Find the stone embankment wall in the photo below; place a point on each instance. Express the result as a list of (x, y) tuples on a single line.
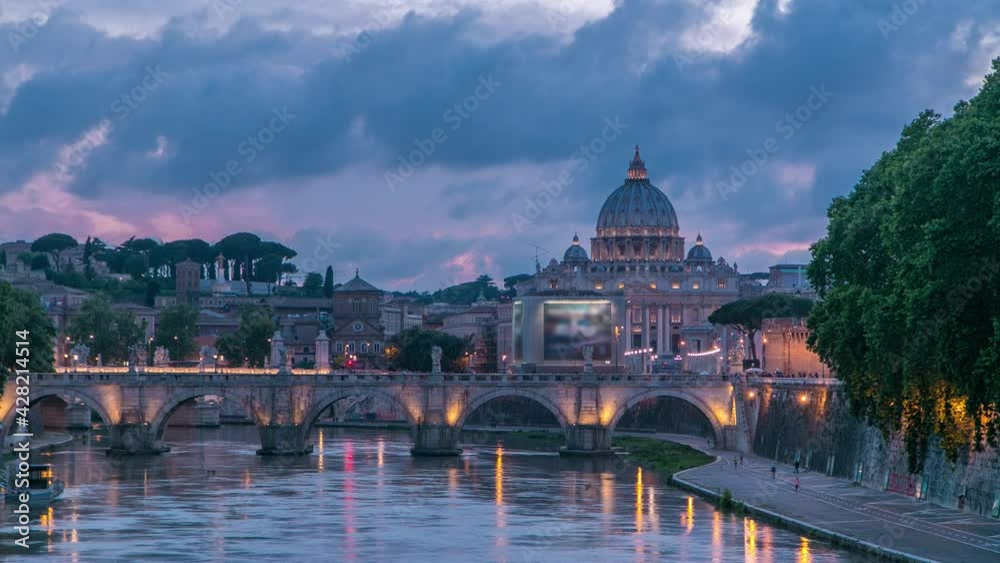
[(813, 423)]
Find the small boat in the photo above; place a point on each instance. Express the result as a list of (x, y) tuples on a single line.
[(41, 486)]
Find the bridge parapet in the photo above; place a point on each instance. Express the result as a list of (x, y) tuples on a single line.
[(272, 377), (137, 405)]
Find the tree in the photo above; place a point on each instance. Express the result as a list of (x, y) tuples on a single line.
[(20, 310), (328, 283), (268, 269), (242, 249), (908, 275), (54, 244), (747, 315), (288, 268), (88, 259), (313, 283), (40, 262), (414, 349), (110, 332), (250, 344), (176, 328), (510, 283)]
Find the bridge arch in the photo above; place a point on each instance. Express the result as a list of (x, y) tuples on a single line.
[(178, 399), (677, 394), (327, 400), (66, 395), (512, 392)]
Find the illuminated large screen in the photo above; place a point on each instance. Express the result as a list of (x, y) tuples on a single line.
[(572, 325)]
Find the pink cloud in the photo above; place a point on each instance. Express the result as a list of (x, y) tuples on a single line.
[(795, 177)]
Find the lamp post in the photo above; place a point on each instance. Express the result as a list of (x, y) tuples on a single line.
[(504, 359)]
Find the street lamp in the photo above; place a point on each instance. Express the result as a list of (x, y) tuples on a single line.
[(504, 358)]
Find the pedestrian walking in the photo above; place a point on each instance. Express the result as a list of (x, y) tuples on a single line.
[(796, 484), (735, 465), (742, 461), (774, 472), (796, 467)]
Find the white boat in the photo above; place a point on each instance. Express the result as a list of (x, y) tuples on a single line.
[(41, 486)]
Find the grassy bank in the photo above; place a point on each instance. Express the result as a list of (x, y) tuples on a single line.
[(662, 457)]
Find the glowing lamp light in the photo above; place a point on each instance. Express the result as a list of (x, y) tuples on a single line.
[(751, 395), (803, 398)]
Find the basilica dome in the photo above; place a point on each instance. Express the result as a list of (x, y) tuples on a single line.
[(637, 207), (699, 252), (637, 222), (575, 253)]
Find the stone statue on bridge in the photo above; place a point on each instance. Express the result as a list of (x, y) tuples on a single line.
[(436, 359), (80, 354), (206, 358), (161, 357), (284, 360)]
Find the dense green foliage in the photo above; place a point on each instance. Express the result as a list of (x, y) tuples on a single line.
[(313, 284), (176, 328), (466, 293), (662, 457), (747, 315), (107, 331), (910, 317), (328, 283), (20, 310), (54, 244), (413, 350), (249, 345)]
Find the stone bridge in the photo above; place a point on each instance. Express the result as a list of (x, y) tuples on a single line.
[(136, 407)]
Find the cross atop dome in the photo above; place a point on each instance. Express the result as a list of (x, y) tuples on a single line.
[(699, 241), (637, 168), (576, 240)]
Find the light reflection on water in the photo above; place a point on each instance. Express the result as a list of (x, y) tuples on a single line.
[(362, 497)]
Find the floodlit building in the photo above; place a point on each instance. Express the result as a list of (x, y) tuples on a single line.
[(639, 282)]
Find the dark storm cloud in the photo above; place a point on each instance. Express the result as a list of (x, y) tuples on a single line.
[(695, 114)]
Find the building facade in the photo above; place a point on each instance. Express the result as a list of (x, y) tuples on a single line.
[(638, 254), (357, 327)]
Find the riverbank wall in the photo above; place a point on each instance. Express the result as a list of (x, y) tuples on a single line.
[(813, 423)]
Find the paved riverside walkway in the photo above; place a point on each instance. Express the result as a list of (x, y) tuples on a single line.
[(910, 529)]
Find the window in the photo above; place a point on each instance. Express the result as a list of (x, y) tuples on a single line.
[(676, 316), (364, 347), (598, 285), (675, 284), (340, 347), (696, 285), (652, 286), (621, 285), (377, 347), (721, 284), (355, 306)]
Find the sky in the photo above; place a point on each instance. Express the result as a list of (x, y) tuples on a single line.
[(426, 142)]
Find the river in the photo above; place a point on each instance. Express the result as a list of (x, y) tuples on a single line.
[(361, 497)]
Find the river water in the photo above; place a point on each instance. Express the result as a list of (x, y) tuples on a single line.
[(361, 497)]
